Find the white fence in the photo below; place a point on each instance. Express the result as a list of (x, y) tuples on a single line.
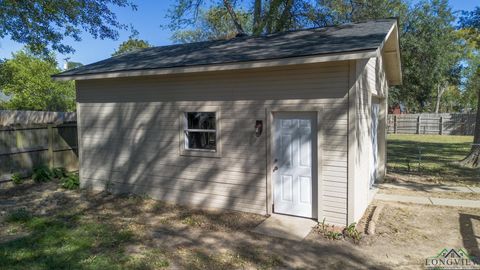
[(430, 123)]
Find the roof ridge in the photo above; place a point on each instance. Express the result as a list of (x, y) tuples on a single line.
[(249, 37)]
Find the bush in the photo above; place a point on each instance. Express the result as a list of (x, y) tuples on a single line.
[(71, 181), (42, 174), (59, 173), (17, 178), (18, 215)]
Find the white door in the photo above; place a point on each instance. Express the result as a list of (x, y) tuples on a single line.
[(374, 155), (293, 159)]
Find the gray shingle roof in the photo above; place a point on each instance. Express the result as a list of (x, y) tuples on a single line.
[(318, 41)]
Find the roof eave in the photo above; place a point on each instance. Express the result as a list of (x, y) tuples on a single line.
[(224, 67), (390, 50)]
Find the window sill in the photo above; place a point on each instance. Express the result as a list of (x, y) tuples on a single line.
[(200, 153)]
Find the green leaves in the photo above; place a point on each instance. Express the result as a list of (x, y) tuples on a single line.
[(43, 24), (132, 44), (42, 174), (26, 80), (431, 53), (70, 181), (212, 24)]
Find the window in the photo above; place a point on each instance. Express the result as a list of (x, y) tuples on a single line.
[(200, 131)]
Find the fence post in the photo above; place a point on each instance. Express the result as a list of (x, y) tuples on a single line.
[(50, 145), (441, 125), (395, 124), (418, 124), (20, 137)]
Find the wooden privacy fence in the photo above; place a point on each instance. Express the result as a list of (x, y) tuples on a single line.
[(22, 148), (16, 118), (430, 123)]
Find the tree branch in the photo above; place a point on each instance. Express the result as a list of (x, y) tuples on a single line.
[(235, 20)]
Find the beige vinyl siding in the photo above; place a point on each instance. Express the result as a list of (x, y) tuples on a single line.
[(371, 81), (382, 86), (363, 139), (130, 134)]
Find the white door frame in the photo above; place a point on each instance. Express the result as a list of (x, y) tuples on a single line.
[(375, 113), (317, 204)]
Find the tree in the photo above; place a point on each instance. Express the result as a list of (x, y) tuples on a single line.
[(452, 100), (213, 24), (43, 24), (430, 48), (470, 22), (26, 80), (430, 55), (72, 65), (132, 44), (360, 10), (268, 16)]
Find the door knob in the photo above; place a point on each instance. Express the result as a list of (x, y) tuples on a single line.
[(275, 168)]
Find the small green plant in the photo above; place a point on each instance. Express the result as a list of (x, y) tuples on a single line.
[(352, 232), (17, 178), (42, 174), (18, 215), (59, 172), (330, 232), (323, 226), (333, 235), (71, 181)]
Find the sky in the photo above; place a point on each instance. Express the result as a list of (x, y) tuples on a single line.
[(148, 20)]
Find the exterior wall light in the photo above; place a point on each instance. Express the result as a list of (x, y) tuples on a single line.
[(258, 128)]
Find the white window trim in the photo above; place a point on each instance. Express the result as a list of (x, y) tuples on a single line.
[(200, 152)]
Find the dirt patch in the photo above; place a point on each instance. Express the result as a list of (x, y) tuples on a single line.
[(160, 235), (406, 234)]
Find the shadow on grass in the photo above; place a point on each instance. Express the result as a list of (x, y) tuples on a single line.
[(65, 242), (430, 159), (103, 231)]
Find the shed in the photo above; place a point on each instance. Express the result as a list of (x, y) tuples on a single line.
[(291, 123)]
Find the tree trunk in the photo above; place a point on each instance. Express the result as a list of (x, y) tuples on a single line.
[(440, 91), (257, 17), (473, 158), (272, 15), (285, 17), (232, 13)]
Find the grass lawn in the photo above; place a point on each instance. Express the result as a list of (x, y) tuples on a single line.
[(70, 241), (430, 156)]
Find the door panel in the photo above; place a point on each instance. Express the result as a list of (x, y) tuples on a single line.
[(292, 154), (287, 188)]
